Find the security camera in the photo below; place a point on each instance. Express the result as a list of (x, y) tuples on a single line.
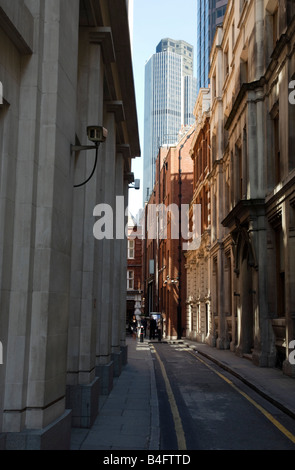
[(97, 134), (130, 177)]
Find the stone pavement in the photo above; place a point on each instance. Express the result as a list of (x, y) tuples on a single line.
[(128, 417)]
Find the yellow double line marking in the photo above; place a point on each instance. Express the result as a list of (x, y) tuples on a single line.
[(177, 419), (176, 416), (276, 423)]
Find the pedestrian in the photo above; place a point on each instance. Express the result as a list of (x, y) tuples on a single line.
[(134, 326), (153, 326), (159, 326), (144, 324)]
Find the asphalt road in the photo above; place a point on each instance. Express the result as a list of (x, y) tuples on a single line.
[(202, 407)]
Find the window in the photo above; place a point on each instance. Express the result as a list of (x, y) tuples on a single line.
[(131, 249), (165, 166), (244, 71), (275, 27), (130, 280), (214, 148), (226, 62), (276, 134), (280, 274), (238, 172), (272, 22), (291, 129), (240, 168), (213, 87), (227, 195)]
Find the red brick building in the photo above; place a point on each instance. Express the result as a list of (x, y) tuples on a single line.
[(163, 258), (134, 269)]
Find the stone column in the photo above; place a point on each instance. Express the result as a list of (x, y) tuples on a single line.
[(123, 294), (82, 384), (222, 340), (13, 347), (117, 268), (233, 301), (264, 353), (104, 362), (18, 158), (211, 339), (36, 415), (289, 368), (259, 39)]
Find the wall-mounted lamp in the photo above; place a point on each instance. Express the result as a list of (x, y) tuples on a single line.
[(97, 135)]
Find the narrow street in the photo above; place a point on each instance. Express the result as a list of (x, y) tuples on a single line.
[(202, 407)]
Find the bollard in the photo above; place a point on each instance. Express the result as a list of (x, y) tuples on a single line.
[(141, 334)]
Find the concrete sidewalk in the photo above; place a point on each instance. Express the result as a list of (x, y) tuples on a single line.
[(129, 417)]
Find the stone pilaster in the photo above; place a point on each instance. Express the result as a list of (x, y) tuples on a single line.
[(124, 347), (82, 383), (119, 211), (288, 368), (104, 362), (36, 417)]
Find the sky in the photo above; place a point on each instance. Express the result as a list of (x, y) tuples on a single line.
[(154, 20)]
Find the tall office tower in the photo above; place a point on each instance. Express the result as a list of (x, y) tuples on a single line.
[(210, 14), (189, 85), (189, 99), (170, 96), (182, 48)]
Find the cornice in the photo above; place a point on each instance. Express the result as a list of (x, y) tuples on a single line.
[(117, 108), (245, 88), (18, 24), (242, 208), (103, 36)]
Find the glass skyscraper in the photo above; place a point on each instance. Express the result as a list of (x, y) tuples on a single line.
[(182, 48), (189, 99), (210, 14), (170, 96)]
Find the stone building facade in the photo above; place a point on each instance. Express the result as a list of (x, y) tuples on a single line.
[(252, 182), (198, 300), (64, 65)]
